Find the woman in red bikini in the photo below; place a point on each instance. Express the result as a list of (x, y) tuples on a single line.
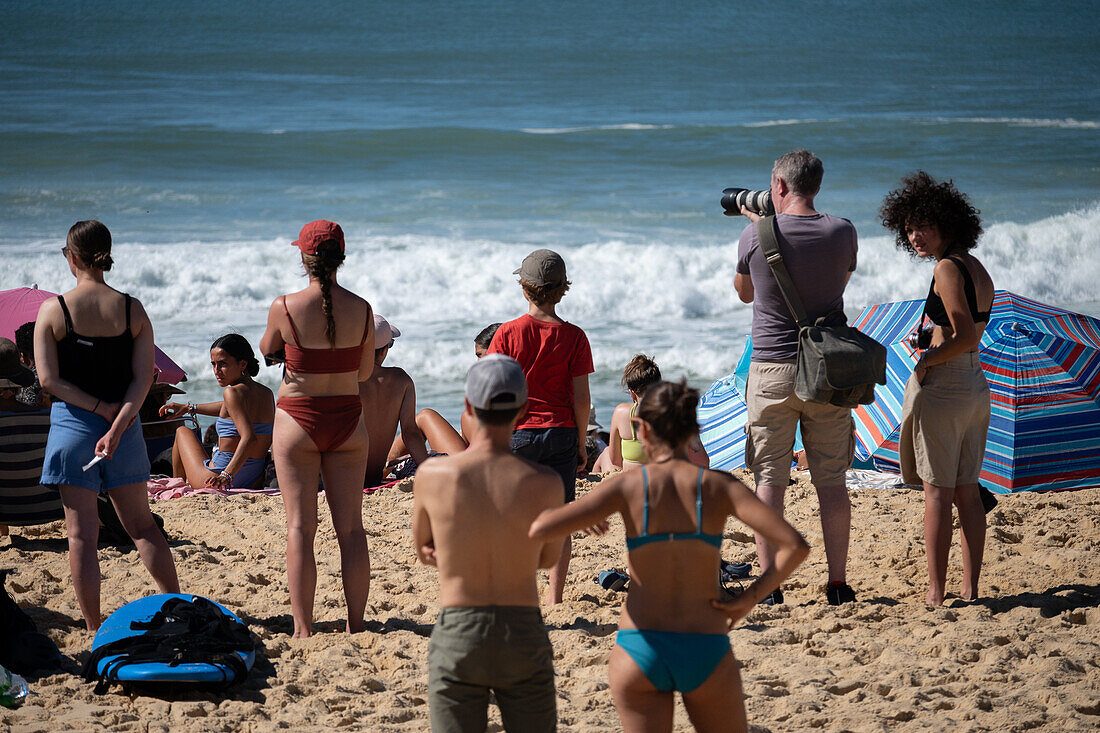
[(319, 334)]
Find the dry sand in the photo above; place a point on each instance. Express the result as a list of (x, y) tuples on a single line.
[(1025, 657)]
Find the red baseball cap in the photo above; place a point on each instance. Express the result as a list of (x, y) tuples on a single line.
[(316, 232)]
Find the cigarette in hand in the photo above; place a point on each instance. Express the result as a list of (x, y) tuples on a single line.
[(92, 462)]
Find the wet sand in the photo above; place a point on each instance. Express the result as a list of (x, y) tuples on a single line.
[(1024, 657)]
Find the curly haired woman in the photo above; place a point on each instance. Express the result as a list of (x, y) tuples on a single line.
[(945, 416)]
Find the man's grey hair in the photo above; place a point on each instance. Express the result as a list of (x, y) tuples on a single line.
[(802, 170)]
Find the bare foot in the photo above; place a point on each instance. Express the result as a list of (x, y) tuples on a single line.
[(934, 598)]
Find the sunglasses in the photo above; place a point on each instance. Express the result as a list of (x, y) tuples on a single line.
[(65, 251)]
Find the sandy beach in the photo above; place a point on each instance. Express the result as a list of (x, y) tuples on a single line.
[(1025, 657)]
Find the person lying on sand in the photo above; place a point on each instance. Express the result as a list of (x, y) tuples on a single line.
[(442, 438), (673, 629), (245, 420), (471, 515), (389, 400)]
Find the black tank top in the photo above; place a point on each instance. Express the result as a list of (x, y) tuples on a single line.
[(933, 305), (102, 366)]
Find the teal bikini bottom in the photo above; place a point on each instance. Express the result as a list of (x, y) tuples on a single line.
[(672, 660)]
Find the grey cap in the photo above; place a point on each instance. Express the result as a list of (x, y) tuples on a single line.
[(496, 382), (542, 267)]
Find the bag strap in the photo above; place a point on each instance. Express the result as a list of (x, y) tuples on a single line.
[(769, 245)]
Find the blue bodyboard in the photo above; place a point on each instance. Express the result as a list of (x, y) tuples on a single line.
[(117, 626)]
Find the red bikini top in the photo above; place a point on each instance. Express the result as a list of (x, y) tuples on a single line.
[(322, 361)]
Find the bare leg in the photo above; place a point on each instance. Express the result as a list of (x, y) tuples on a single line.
[(297, 465), (191, 457), (972, 524), (642, 707), (603, 464), (937, 538), (132, 505), (82, 527), (773, 497), (836, 527), (343, 471), (719, 703), (558, 574), (442, 437)]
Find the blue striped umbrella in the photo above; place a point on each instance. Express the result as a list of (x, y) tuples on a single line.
[(722, 415), (1043, 368)]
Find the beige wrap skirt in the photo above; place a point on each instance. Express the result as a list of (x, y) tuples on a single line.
[(944, 422)]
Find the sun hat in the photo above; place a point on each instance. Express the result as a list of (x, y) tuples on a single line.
[(542, 267), (383, 332), (496, 382), (316, 232)]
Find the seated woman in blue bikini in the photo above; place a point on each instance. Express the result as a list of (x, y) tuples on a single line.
[(673, 629), (245, 416)]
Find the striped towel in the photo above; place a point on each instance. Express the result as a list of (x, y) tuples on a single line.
[(24, 501)]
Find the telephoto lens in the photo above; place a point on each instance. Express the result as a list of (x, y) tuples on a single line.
[(758, 202)]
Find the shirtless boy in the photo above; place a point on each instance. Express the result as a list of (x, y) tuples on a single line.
[(471, 516), (389, 399)]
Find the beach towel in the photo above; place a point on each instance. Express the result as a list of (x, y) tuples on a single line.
[(176, 488)]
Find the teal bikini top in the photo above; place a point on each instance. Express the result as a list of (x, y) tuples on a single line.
[(633, 543)]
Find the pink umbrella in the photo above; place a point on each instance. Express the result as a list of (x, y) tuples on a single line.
[(20, 305)]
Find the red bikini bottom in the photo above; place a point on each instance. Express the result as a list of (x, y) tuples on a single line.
[(328, 420)]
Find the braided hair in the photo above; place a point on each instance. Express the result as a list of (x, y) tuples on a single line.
[(322, 266)]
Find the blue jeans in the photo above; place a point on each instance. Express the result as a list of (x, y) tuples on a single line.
[(555, 448)]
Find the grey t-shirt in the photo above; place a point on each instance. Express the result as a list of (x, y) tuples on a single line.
[(819, 252)]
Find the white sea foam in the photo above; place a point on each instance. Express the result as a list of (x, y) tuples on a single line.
[(629, 126), (666, 298), (1068, 123)]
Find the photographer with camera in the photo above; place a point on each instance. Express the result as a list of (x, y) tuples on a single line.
[(819, 252)]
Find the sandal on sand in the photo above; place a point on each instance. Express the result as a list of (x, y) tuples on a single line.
[(735, 569), (612, 580)]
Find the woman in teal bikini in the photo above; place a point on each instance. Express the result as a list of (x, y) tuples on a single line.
[(245, 416), (673, 629)]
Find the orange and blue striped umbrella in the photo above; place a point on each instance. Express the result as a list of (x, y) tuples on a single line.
[(1043, 368)]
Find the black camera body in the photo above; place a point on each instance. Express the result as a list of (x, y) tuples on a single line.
[(921, 339), (758, 202)]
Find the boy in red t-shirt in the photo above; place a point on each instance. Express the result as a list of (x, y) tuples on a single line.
[(556, 360)]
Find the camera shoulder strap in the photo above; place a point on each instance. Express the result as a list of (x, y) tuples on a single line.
[(769, 245)]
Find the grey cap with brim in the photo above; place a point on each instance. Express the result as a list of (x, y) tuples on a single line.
[(542, 267), (496, 382)]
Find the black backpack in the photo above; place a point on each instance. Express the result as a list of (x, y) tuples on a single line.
[(182, 631), (22, 649)]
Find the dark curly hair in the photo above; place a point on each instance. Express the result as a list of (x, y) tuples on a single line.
[(921, 200)]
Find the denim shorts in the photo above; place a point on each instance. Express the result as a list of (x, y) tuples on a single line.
[(73, 435), (555, 448)]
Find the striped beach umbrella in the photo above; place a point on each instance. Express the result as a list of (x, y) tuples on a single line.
[(1043, 368), (722, 415)]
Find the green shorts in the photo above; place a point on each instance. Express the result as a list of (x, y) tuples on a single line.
[(503, 649)]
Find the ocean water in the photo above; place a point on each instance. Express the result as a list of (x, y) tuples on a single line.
[(451, 139)]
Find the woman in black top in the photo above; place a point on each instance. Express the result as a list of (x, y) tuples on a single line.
[(94, 349), (945, 415)]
